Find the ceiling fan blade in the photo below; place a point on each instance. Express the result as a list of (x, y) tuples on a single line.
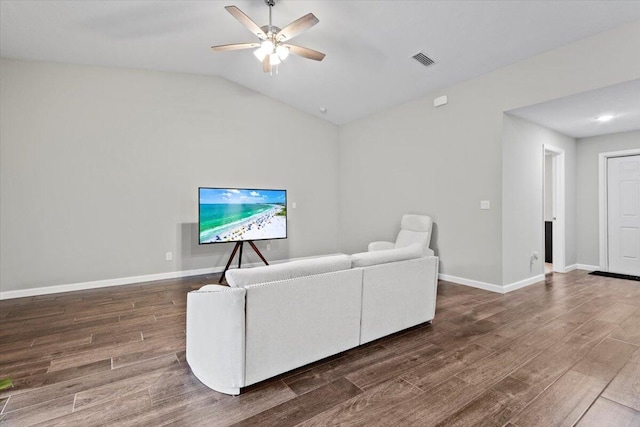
[(297, 26), (266, 64), (235, 46), (246, 21), (305, 52)]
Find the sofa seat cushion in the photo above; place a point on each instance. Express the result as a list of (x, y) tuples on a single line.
[(365, 259), (239, 278)]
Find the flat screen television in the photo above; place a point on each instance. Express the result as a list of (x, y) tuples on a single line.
[(241, 214)]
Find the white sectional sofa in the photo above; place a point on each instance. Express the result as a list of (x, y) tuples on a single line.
[(276, 318)]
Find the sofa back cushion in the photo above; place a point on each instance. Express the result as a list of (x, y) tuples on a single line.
[(239, 278), (364, 259), (415, 229)]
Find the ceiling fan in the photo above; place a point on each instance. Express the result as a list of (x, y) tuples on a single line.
[(273, 46)]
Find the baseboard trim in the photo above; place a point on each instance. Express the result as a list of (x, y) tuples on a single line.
[(571, 267), (473, 283), (490, 286), (523, 283), (588, 267), (82, 286)]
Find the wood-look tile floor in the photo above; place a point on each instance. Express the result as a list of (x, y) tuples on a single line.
[(560, 352)]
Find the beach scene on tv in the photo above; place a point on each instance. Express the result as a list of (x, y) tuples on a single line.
[(234, 215)]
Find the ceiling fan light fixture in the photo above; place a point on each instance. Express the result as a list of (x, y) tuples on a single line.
[(282, 52), (260, 54), (267, 46), (275, 59)]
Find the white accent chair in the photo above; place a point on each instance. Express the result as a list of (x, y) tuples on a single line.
[(413, 229)]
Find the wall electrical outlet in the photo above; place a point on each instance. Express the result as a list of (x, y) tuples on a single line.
[(168, 256), (294, 205), (485, 204), (268, 246)]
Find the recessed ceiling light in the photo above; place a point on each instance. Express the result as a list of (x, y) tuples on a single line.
[(605, 118), (323, 110)]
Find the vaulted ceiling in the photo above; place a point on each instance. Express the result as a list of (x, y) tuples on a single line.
[(369, 44)]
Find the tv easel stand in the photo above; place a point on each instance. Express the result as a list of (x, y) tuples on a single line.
[(233, 254)]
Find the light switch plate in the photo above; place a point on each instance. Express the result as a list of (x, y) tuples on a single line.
[(485, 204)]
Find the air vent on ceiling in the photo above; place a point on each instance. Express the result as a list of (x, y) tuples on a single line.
[(423, 59)]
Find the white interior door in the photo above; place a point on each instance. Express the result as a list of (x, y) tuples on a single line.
[(623, 188)]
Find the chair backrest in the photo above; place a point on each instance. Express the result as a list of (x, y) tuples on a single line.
[(415, 229)]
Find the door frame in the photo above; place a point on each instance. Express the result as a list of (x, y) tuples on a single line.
[(603, 197), (559, 224)]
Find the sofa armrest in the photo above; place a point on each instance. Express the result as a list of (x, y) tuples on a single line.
[(380, 246), (216, 337), (428, 252)]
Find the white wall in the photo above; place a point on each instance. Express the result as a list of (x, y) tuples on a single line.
[(588, 149), (548, 188), (522, 193), (443, 161), (100, 169)]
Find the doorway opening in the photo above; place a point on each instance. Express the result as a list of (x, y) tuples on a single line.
[(554, 209)]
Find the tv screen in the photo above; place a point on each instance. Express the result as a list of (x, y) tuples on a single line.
[(241, 214)]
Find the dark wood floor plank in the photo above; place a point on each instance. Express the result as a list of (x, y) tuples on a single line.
[(168, 412), (414, 339), (352, 361), (122, 388), (444, 366), (499, 364), (52, 349), (544, 370), (95, 352), (106, 412), (40, 412), (73, 386), (539, 355), (373, 402), (391, 367), (605, 413), (606, 359), (43, 379), (625, 387), (550, 364), (617, 312), (563, 403), (507, 334), (514, 396), (231, 410), (590, 332), (629, 330), (305, 406), (429, 408), (483, 409)]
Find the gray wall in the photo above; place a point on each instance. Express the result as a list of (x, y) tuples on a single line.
[(443, 161), (100, 169), (522, 192), (588, 240)]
